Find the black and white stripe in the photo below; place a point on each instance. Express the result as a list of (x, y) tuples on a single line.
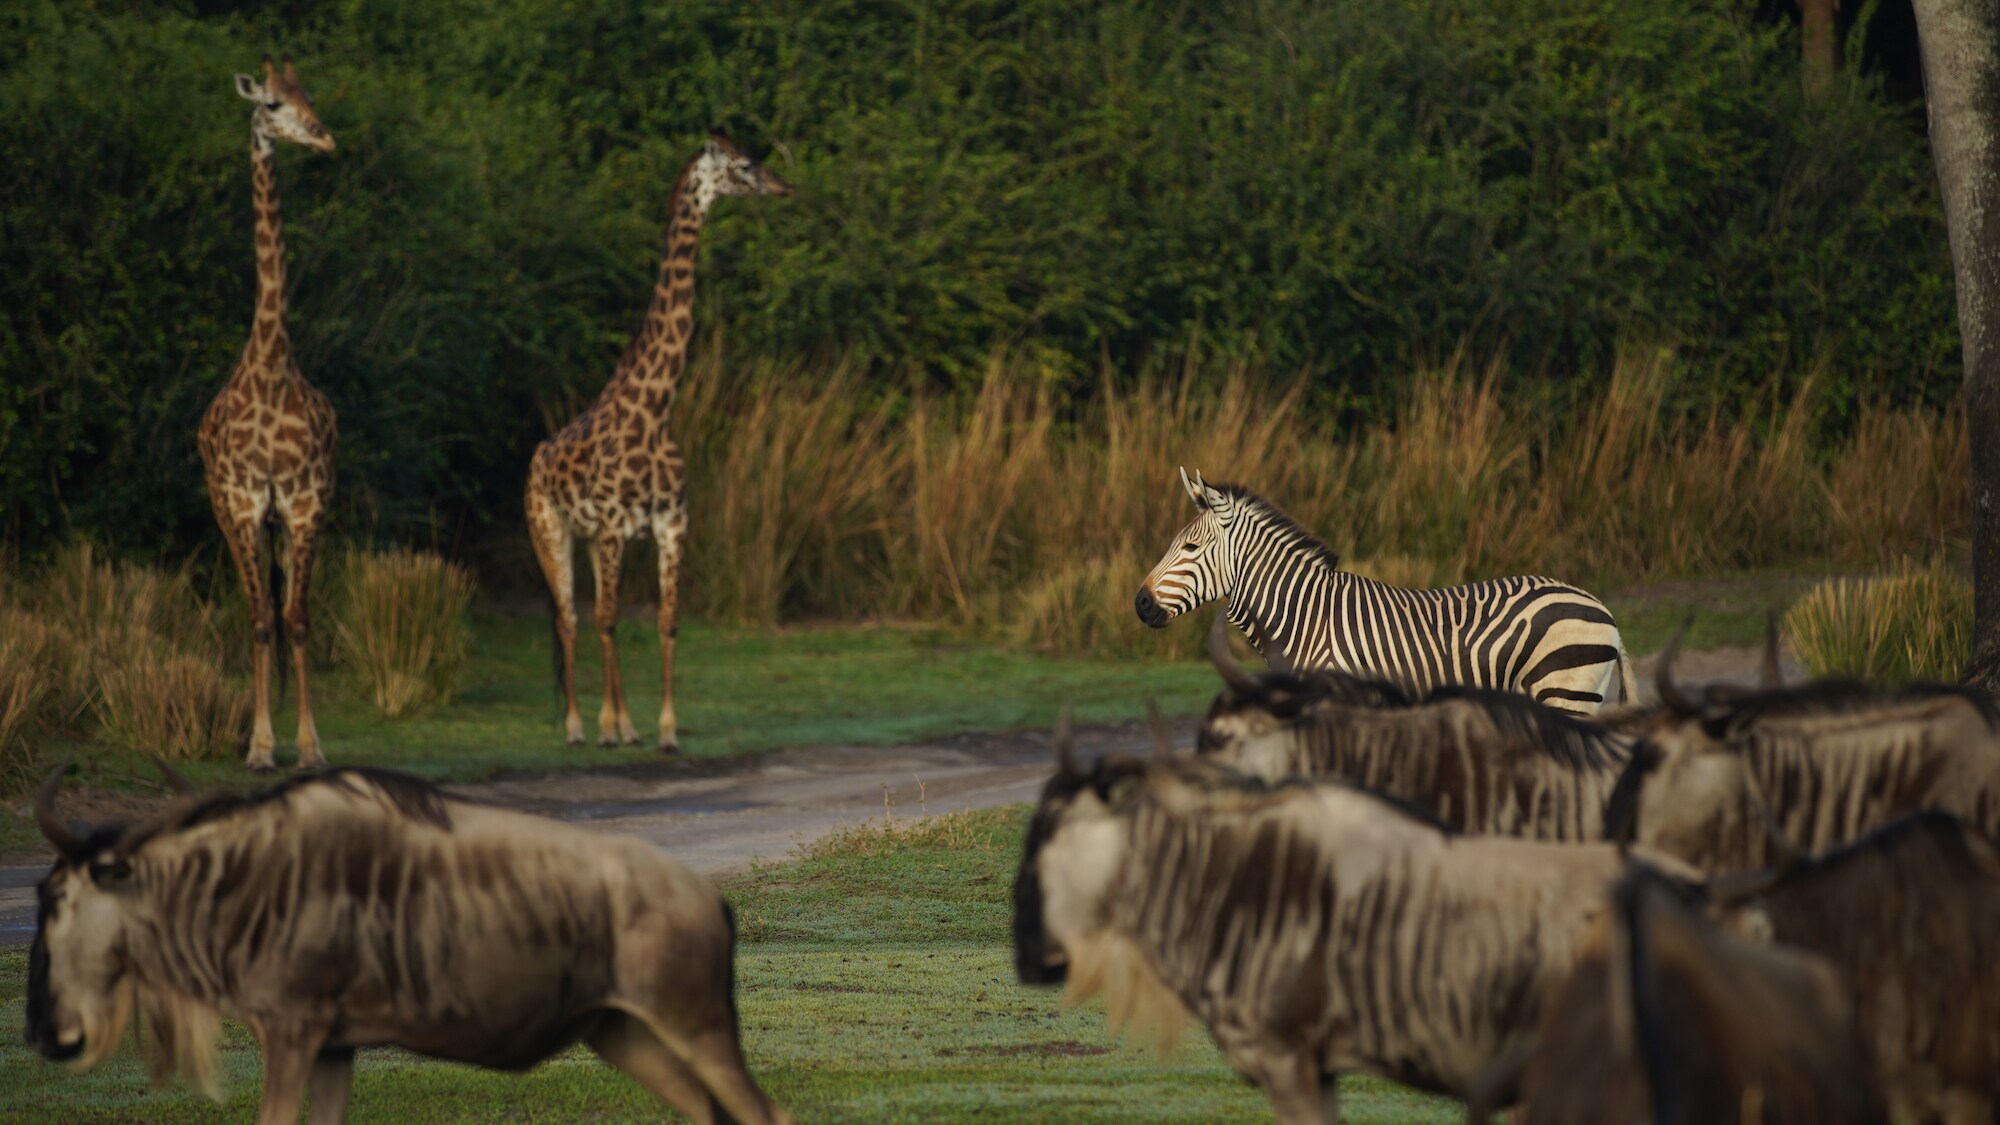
[(1544, 638)]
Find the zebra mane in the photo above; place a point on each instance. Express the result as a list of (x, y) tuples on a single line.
[(416, 800), (1574, 742), (1291, 533)]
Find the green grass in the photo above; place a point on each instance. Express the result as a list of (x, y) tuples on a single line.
[(876, 984)]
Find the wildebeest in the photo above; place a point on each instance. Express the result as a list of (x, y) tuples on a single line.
[(1724, 782), (359, 907), (1480, 760), (1909, 915), (1668, 1021), (1315, 927)]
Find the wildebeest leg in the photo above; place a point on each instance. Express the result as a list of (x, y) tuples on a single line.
[(332, 1078), (1293, 1083), (288, 1061), (717, 1059), (630, 1046), (1329, 1099)]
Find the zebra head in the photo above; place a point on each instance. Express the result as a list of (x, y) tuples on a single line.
[(1198, 568)]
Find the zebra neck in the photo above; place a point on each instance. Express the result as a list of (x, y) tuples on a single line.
[(1270, 594)]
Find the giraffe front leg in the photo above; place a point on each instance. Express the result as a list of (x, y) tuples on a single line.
[(298, 580), (246, 547), (669, 532), (614, 722)]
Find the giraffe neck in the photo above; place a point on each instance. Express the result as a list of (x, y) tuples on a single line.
[(269, 343), (651, 370)]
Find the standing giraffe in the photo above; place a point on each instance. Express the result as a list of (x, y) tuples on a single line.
[(267, 440), (615, 473)]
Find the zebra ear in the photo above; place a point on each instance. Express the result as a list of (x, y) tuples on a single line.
[(1194, 493)]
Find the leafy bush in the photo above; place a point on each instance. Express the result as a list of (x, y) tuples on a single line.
[(400, 627), (1912, 624)]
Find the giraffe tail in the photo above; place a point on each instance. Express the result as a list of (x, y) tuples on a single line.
[(280, 651)]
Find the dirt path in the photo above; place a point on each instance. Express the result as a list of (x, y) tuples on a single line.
[(720, 817)]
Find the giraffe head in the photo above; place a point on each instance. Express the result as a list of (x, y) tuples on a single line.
[(284, 110), (723, 169)]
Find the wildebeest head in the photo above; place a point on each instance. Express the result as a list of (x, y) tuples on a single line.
[(1075, 846), (79, 994), (1250, 722)]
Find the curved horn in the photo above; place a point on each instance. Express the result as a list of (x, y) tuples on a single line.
[(67, 842), (180, 785), (1232, 673), (1773, 674), (1065, 750), (1163, 742), (1274, 653), (1663, 674)]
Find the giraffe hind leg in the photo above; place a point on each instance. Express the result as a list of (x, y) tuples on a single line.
[(669, 531), (246, 546), (297, 620)]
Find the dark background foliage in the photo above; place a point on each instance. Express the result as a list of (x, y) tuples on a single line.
[(1348, 188)]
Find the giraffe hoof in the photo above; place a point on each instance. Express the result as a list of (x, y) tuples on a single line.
[(308, 766), (670, 745), (261, 767), (573, 740), (607, 739)]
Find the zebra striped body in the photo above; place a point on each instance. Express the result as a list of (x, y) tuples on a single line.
[(1316, 929), (1480, 761), (1822, 765), (1533, 635)]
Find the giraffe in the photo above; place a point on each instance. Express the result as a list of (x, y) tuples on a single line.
[(614, 473), (267, 441)]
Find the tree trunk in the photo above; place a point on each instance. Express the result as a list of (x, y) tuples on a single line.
[(1960, 40), (1819, 47)]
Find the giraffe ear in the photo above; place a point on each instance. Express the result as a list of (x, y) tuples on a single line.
[(249, 88)]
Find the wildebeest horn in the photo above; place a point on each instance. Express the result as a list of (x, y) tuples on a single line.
[(1773, 676), (58, 833), (1163, 743), (1274, 653), (1663, 674), (1728, 890), (1065, 753), (1233, 673), (175, 781)]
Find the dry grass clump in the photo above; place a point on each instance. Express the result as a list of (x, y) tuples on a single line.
[(890, 833), (1912, 624), (126, 653), (400, 629)]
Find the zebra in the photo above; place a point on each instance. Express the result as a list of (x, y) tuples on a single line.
[(1286, 592)]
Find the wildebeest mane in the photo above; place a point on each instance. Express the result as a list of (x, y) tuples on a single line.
[(1574, 742), (1926, 839), (1291, 533), (415, 799), (1621, 809), (1834, 697)]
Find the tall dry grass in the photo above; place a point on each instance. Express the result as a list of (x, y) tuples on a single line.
[(126, 654), (400, 627), (1912, 623), (1011, 513)]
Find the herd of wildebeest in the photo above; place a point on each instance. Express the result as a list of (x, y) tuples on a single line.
[(1762, 904)]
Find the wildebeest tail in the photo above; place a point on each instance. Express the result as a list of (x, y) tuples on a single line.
[(722, 1114)]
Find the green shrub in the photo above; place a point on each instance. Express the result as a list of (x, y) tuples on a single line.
[(400, 627), (1913, 624)]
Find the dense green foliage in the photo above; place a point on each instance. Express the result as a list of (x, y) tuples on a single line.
[(1343, 187)]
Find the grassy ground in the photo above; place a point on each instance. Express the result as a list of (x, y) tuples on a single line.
[(876, 984)]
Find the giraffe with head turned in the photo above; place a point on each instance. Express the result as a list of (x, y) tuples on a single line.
[(267, 441), (614, 473)]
